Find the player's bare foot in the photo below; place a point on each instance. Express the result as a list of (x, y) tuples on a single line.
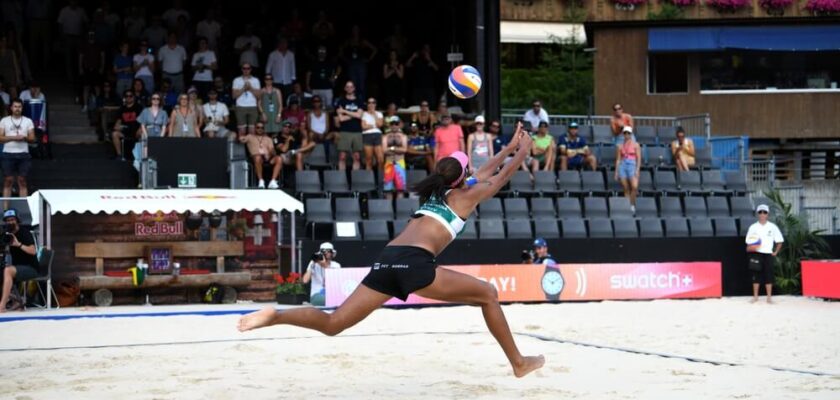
[(256, 319), (770, 301), (754, 299), (528, 365)]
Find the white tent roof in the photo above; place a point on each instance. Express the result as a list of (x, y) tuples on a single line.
[(540, 32), (178, 200)]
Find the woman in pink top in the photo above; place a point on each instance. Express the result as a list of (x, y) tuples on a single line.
[(449, 138), (627, 164)]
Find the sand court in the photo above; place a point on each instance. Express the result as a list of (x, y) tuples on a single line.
[(593, 350)]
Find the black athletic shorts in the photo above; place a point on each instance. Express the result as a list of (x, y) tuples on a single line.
[(766, 275), (401, 270)]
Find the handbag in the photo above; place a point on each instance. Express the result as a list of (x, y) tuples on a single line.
[(754, 262)]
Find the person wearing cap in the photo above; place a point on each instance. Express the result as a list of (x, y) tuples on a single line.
[(216, 115), (535, 115), (764, 241), (574, 152), (394, 146), (628, 165), (315, 273), (541, 254), (480, 145), (618, 121), (408, 263), (683, 151), (270, 105), (24, 264), (292, 145), (542, 150), (449, 137), (419, 154)]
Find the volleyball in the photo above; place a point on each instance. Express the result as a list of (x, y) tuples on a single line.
[(753, 240), (464, 81)]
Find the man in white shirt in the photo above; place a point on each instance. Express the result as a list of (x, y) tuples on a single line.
[(171, 58), (281, 66), (216, 115), (16, 132), (245, 89), (210, 29), (319, 262), (144, 66), (764, 241), (535, 115), (203, 63), (248, 45)]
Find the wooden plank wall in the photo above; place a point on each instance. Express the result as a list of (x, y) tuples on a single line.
[(69, 229), (621, 76)]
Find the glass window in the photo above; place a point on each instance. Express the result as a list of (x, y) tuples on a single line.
[(668, 73), (757, 70)]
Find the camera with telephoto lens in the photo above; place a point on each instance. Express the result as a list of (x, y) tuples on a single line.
[(6, 238), (527, 255), (318, 256)]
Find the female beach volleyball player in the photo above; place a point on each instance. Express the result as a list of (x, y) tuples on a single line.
[(407, 264)]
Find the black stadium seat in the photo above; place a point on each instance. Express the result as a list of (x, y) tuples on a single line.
[(600, 228), (593, 182), (521, 183), (380, 209), (645, 135), (620, 207), (335, 182), (375, 230), (690, 181), (545, 182), (491, 209), (569, 207), (308, 182), (519, 229), (516, 208), (491, 229), (569, 181), (735, 182), (742, 207), (718, 207), (362, 181), (670, 207), (469, 231), (695, 207), (413, 176), (650, 228), (595, 207), (406, 207), (725, 227), (347, 209), (318, 210), (625, 228), (665, 181), (574, 228), (676, 227), (546, 228), (701, 227), (646, 207), (542, 208)]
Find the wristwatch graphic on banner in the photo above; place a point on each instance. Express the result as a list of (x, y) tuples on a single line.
[(552, 282)]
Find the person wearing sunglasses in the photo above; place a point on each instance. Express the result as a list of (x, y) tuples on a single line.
[(535, 115), (764, 241), (246, 90), (618, 121), (126, 128)]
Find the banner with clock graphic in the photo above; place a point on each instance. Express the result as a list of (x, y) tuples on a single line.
[(566, 282)]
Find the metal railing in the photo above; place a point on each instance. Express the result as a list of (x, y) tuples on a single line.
[(821, 218), (694, 125)]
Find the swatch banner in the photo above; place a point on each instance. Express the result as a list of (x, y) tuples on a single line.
[(565, 282), (821, 279)]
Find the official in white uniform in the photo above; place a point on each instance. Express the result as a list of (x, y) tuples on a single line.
[(764, 241)]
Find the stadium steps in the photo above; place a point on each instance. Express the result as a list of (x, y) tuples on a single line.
[(82, 166)]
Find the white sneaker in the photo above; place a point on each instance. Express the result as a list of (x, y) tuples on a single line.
[(633, 209), (261, 184), (273, 184)]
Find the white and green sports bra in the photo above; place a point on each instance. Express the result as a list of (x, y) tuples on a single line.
[(440, 211)]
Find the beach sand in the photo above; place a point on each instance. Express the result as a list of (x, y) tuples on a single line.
[(440, 353)]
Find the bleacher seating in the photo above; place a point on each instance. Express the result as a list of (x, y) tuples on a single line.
[(375, 230), (625, 228), (519, 229), (600, 228), (491, 228), (546, 228), (516, 208), (380, 209), (347, 209), (574, 228)]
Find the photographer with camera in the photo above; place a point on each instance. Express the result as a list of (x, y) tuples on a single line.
[(540, 254), (21, 246), (322, 259)]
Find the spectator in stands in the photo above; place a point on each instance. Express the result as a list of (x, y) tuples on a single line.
[(535, 115), (105, 113), (293, 146), (105, 34), (393, 73), (323, 30), (35, 108), (298, 95), (270, 104), (72, 20), (294, 114), (134, 24), (210, 29), (216, 115), (123, 68), (184, 33), (203, 64), (91, 66), (574, 152), (357, 52), (449, 138), (425, 119), (683, 151), (184, 122), (628, 164), (348, 109), (155, 34), (480, 145), (127, 128), (248, 46), (320, 79), (317, 125), (16, 132), (171, 15), (22, 249), (141, 94), (320, 261), (261, 149), (419, 154), (171, 59), (195, 105), (153, 119), (541, 254), (397, 41), (144, 65), (246, 91), (499, 138), (542, 150), (223, 91), (170, 96), (764, 241), (281, 65), (372, 122), (618, 122), (424, 72), (391, 111), (394, 147)]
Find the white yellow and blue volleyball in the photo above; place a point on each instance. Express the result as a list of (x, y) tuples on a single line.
[(464, 81), (753, 240)]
